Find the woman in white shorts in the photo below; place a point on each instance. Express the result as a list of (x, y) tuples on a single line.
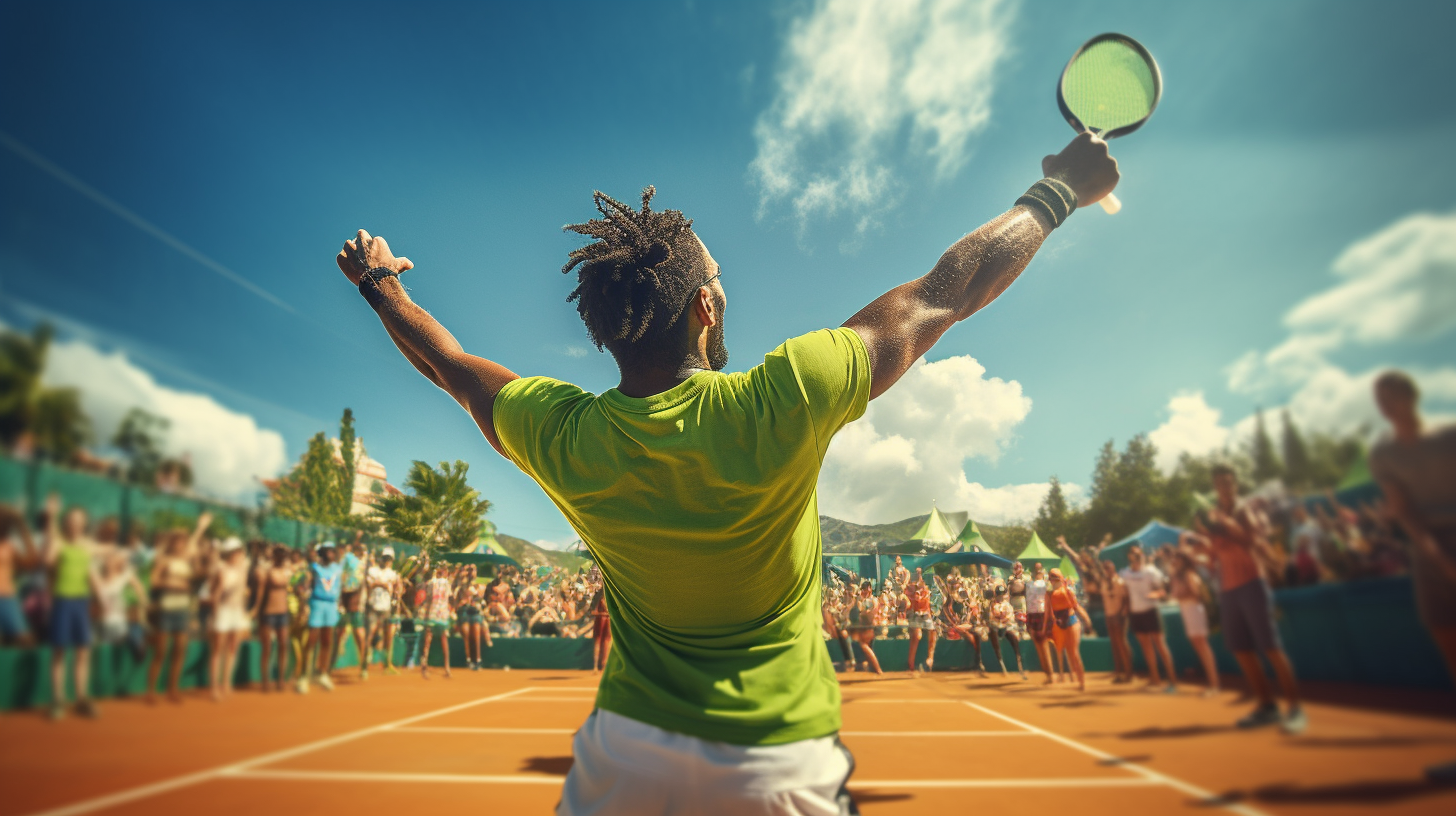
[(230, 620), (1189, 591)]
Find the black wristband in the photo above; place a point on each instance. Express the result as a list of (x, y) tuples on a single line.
[(1053, 198), (369, 284)]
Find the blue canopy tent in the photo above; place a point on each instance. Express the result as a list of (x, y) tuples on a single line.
[(1152, 536), (957, 559)]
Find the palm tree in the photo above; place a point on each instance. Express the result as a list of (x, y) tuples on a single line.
[(52, 416), (441, 513)]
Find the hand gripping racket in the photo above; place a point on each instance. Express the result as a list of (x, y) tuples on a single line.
[(1110, 86)]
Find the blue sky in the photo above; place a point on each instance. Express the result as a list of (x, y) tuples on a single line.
[(1300, 148)]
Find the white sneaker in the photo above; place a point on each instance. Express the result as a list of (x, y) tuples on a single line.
[(301, 686), (325, 682)]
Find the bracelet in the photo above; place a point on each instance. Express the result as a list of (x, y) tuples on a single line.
[(1053, 198)]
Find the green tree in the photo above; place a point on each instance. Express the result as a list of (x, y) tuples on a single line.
[(1056, 517), (440, 512), (320, 488), (1261, 450), (52, 416), (1296, 454), (1127, 490), (140, 437)]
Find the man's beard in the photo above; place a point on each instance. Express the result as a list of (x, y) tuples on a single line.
[(717, 348)]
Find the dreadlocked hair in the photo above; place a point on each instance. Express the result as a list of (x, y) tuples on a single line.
[(634, 281)]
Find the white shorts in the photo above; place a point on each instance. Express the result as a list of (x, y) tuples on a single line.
[(623, 766), (1195, 619), (231, 619)]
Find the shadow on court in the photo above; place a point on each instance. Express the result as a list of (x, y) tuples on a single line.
[(1367, 792), (873, 797), (1160, 732), (554, 766)]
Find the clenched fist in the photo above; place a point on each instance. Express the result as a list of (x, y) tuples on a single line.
[(366, 252), (1085, 166)]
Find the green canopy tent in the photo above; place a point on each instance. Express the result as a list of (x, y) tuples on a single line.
[(970, 540), (1038, 551), (1069, 570), (937, 533)]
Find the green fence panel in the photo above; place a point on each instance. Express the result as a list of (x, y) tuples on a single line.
[(14, 481), (99, 496)]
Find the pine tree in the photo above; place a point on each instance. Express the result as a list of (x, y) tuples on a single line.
[(1266, 462), (1296, 454), (320, 489), (1056, 517), (348, 468)]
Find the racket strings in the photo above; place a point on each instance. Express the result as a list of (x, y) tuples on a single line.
[(1109, 85)]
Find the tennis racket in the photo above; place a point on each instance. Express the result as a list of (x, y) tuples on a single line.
[(1110, 87)]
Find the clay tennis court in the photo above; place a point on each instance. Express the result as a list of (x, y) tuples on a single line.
[(501, 741)]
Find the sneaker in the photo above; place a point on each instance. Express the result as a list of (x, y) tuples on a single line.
[(1294, 722), (363, 674), (1261, 716), (391, 670), (301, 686), (1170, 689), (87, 709), (325, 682), (58, 712)]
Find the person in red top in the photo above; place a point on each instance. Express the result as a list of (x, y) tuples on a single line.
[(1064, 621), (1235, 535), (921, 618)]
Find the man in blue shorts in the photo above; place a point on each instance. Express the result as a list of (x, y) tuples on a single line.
[(694, 489), (324, 578)]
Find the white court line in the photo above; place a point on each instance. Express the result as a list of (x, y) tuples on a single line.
[(446, 729), (370, 776), (555, 700), (898, 701), (1092, 782), (188, 780), (936, 734), (1207, 798), (526, 779)]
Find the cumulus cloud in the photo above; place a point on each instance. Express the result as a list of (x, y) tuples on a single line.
[(1192, 427), (228, 450), (861, 79), (911, 446), (1396, 286)]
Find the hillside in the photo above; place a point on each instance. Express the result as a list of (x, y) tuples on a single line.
[(846, 536), (529, 555)]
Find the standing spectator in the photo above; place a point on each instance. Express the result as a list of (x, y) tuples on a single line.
[(173, 574), (921, 619), (862, 624), (17, 552), (271, 610), (69, 554), (351, 601), (230, 621), (383, 587), (1234, 534), (1036, 592), (1191, 593), (1304, 547), (1063, 624), (116, 582), (436, 613), (602, 629), (1417, 471), (1115, 606), (324, 576), (1146, 586), (1003, 625)]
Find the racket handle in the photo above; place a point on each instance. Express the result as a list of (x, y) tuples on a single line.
[(1111, 203)]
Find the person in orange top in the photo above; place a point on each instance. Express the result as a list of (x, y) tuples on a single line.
[(921, 618), (1064, 623)]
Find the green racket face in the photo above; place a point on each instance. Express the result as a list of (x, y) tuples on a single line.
[(1110, 86)]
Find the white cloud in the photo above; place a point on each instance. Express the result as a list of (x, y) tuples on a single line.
[(229, 452), (1192, 427), (911, 445), (556, 545), (1398, 285), (859, 79)]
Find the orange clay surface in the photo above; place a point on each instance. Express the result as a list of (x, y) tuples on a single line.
[(500, 742)]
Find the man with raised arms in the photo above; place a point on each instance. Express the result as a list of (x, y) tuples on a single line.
[(694, 489)]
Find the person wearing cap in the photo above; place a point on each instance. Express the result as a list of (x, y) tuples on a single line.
[(1063, 623), (228, 588), (382, 583), (351, 603), (324, 577)]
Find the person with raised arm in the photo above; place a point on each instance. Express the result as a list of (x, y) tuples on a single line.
[(175, 571), (694, 489), (70, 555)]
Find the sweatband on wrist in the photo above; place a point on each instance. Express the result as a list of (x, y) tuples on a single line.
[(369, 284), (1053, 198)]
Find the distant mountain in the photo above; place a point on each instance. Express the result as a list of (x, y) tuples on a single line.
[(846, 536), (529, 555)]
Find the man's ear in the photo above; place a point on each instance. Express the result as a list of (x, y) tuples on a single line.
[(703, 307)]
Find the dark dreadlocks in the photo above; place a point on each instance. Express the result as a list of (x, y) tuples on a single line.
[(636, 278)]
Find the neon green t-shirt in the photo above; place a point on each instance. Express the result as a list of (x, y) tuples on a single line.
[(699, 506)]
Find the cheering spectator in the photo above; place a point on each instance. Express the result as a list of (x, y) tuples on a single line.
[(1146, 587), (17, 553), (69, 555)]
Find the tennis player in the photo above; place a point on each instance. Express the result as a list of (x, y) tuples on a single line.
[(694, 489)]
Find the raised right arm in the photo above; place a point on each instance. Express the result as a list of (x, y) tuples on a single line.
[(901, 325)]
